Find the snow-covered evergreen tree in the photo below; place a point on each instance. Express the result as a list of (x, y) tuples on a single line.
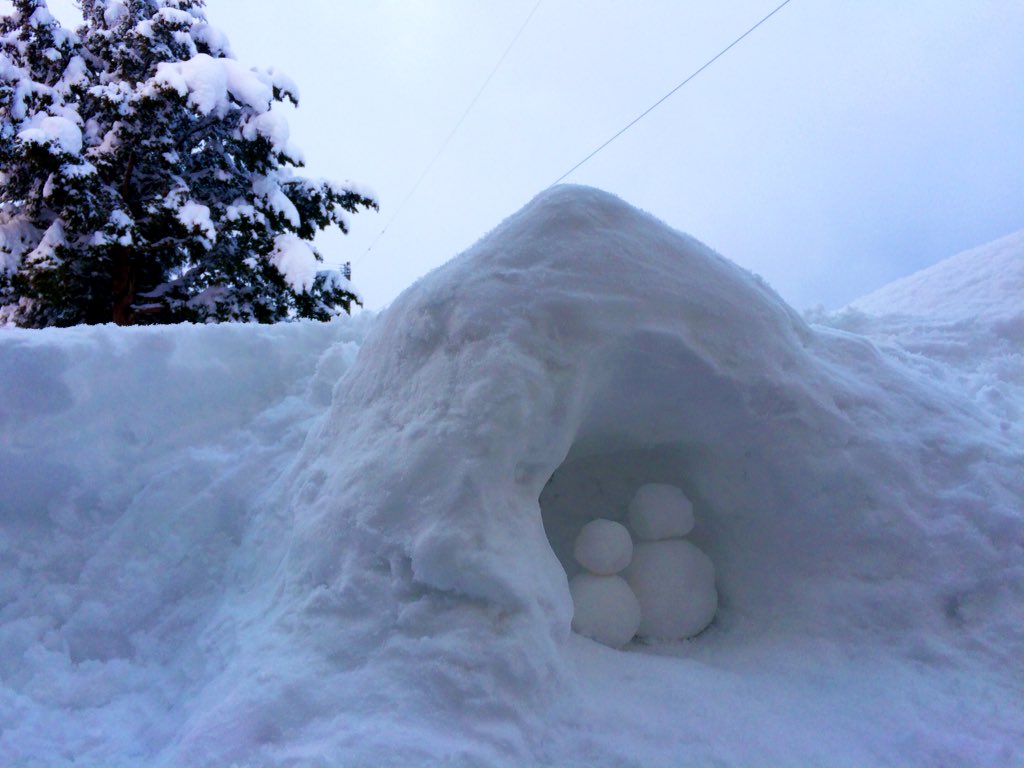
[(145, 177)]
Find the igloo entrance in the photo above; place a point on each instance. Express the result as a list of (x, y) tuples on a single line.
[(669, 582)]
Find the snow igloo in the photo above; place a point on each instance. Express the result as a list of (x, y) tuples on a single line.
[(417, 561), (580, 351)]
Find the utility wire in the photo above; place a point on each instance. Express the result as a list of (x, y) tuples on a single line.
[(455, 130), (664, 98)]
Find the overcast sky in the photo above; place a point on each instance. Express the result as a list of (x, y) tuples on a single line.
[(843, 144)]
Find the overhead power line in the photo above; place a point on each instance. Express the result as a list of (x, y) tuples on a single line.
[(664, 98), (447, 141)]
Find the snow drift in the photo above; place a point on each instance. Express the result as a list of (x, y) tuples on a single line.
[(395, 588)]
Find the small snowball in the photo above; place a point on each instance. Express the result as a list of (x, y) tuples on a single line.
[(604, 609), (603, 547), (675, 584), (660, 511)]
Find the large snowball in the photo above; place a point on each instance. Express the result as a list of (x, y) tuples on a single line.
[(660, 511), (604, 609), (675, 584), (603, 547)]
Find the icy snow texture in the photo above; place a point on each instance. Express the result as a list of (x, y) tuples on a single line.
[(604, 609), (660, 511), (675, 584), (603, 547), (258, 573), (959, 322), (133, 465)]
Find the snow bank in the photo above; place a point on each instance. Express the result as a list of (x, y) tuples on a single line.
[(256, 573), (984, 283), (959, 322), (132, 463)]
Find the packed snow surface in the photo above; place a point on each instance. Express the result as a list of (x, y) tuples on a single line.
[(604, 547), (249, 546), (660, 511)]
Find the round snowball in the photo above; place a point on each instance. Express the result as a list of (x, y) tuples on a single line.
[(675, 584), (603, 547), (660, 511), (604, 609)]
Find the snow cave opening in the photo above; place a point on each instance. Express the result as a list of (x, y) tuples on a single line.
[(601, 486), (594, 502), (662, 436)]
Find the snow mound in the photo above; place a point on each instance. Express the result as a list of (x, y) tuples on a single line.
[(984, 283), (581, 350), (960, 321), (263, 572)]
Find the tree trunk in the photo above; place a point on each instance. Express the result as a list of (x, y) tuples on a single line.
[(123, 286), (122, 272)]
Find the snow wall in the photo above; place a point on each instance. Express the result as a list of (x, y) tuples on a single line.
[(238, 568)]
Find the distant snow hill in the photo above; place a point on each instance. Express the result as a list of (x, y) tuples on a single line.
[(350, 544), (985, 283), (960, 321)]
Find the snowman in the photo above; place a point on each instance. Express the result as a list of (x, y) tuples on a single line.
[(604, 606), (672, 579), (666, 590)]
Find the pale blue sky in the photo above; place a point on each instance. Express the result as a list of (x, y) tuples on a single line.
[(844, 144)]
